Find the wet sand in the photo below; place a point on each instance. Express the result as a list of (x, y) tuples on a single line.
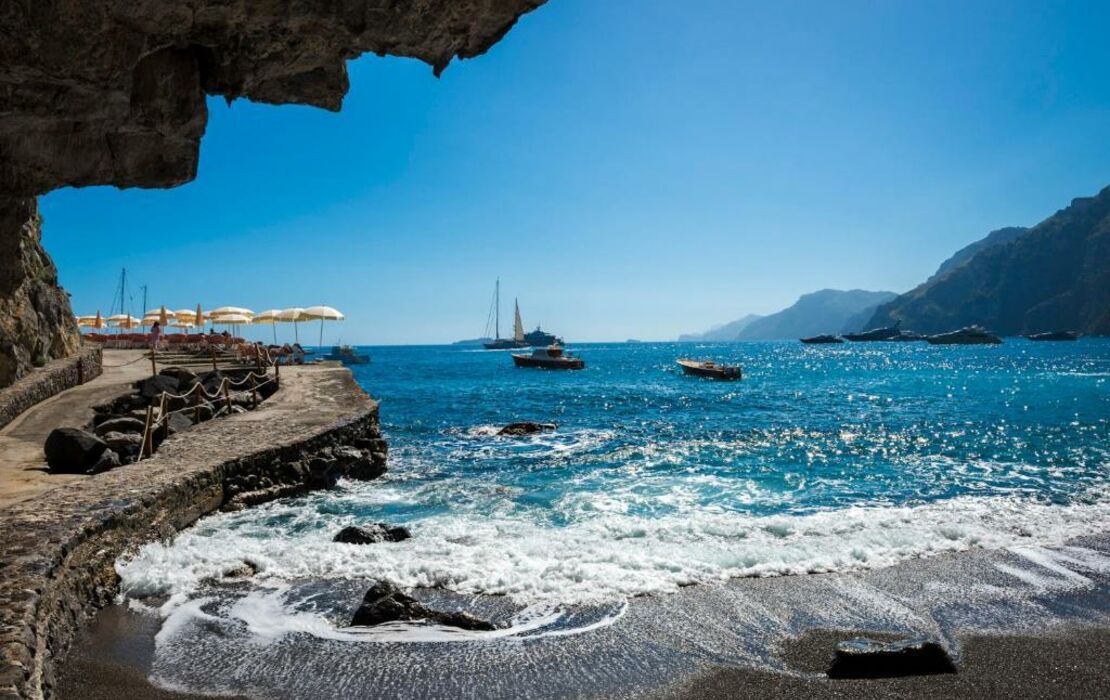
[(1014, 627)]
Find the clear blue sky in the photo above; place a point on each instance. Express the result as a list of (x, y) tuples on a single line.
[(629, 169)]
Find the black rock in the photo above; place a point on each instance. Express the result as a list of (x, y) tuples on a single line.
[(178, 422), (323, 473), (384, 602), (867, 658), (122, 442), (185, 378), (72, 450), (369, 534), (366, 469), (152, 388), (108, 460), (124, 424), (526, 428), (346, 454)]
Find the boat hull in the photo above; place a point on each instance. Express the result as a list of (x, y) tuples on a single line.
[(548, 362), (505, 345), (822, 340), (1054, 335), (697, 369)]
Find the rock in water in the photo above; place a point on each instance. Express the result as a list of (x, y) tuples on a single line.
[(72, 450), (384, 602), (526, 428), (369, 534), (867, 658)]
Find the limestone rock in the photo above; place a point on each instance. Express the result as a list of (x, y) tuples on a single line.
[(36, 322)]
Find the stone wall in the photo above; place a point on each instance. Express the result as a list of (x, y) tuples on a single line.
[(57, 564), (53, 379)]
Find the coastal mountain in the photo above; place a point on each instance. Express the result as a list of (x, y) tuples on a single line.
[(826, 311), (1053, 276), (472, 341), (994, 238), (722, 333)]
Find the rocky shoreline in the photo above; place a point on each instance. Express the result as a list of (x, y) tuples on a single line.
[(57, 567)]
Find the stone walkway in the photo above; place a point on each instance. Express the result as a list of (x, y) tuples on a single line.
[(23, 472)]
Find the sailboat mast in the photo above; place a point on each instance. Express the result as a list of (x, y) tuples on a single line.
[(497, 313)]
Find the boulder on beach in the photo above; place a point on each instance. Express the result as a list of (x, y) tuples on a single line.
[(385, 602), (861, 657), (178, 422), (526, 428), (370, 534), (72, 450), (185, 378), (109, 459)]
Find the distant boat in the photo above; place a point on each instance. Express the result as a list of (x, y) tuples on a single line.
[(539, 338), (1054, 335), (822, 340), (971, 335), (499, 343), (875, 334), (347, 355), (709, 368), (907, 337), (552, 357)]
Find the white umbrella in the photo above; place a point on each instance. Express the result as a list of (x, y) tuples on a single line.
[(323, 313), (269, 316), (124, 321), (231, 310), (156, 313), (293, 315), (230, 319)]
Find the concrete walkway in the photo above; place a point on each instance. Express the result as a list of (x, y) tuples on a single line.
[(23, 471)]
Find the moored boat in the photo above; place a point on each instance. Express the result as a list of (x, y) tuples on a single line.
[(551, 357), (907, 337), (971, 335), (347, 355), (709, 368), (821, 340), (1054, 335), (874, 334)]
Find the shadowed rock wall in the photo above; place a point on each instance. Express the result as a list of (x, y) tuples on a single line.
[(113, 93), (36, 323)]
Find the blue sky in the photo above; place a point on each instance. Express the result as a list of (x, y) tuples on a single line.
[(629, 169)]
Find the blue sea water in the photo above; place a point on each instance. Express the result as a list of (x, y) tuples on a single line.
[(822, 458)]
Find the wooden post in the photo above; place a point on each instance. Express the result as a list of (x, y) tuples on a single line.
[(277, 374), (214, 367), (227, 396), (146, 433), (153, 365)]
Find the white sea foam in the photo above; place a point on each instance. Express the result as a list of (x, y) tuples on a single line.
[(604, 553)]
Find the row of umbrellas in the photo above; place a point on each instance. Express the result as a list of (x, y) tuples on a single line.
[(224, 316)]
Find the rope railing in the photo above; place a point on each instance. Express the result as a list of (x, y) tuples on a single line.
[(223, 390)]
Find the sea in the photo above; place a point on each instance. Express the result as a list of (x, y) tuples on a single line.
[(822, 459)]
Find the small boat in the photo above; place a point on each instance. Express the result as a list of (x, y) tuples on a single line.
[(347, 355), (535, 339), (709, 368), (874, 334), (822, 340), (1054, 335), (552, 357), (971, 335)]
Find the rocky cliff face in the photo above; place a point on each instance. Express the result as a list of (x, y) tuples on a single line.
[(113, 93), (1056, 276), (824, 311), (36, 324)]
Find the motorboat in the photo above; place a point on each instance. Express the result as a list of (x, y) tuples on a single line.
[(551, 357), (710, 369)]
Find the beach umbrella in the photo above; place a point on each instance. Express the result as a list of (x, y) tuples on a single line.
[(99, 322), (164, 317), (227, 319), (322, 313), (231, 310), (157, 313), (269, 316), (293, 315), (199, 320), (124, 321)]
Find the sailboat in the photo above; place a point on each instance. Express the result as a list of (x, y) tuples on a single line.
[(499, 343)]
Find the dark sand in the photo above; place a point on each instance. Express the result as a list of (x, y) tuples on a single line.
[(1072, 663)]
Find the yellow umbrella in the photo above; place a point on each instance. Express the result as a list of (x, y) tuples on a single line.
[(99, 322), (199, 320), (323, 313)]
